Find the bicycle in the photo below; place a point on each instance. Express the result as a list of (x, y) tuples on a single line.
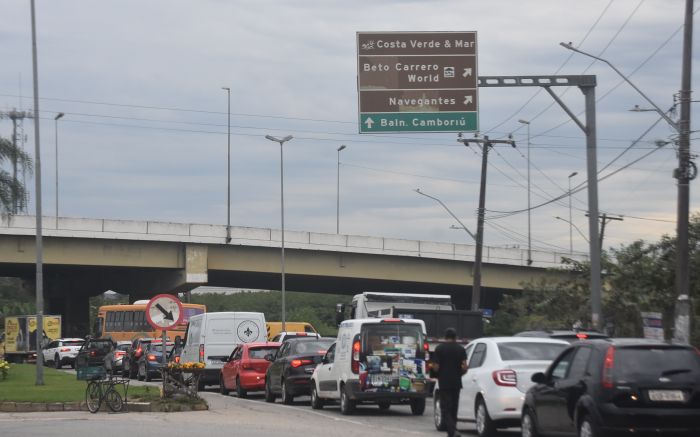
[(103, 390)]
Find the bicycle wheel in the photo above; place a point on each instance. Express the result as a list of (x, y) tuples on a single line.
[(93, 396), (114, 400)]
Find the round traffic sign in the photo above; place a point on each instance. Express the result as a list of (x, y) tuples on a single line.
[(164, 311)]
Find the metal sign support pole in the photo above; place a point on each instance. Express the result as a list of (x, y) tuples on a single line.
[(586, 84)]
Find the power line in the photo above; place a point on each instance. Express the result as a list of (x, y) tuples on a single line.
[(566, 61)]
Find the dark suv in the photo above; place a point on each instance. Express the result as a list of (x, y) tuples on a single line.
[(130, 361), (622, 386)]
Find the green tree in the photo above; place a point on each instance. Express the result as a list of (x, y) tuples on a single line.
[(637, 277), (12, 190)]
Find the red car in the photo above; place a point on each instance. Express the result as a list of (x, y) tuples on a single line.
[(246, 367)]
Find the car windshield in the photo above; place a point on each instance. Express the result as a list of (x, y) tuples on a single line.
[(259, 353), (378, 337), (529, 351), (312, 347), (73, 343), (635, 363)]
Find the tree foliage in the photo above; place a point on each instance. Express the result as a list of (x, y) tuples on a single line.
[(12, 191), (637, 277)]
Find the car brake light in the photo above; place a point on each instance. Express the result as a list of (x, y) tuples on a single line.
[(93, 353), (301, 334), (152, 357), (119, 353), (608, 365), (355, 362), (297, 363), (138, 352), (505, 378), (581, 336), (65, 349), (392, 320), (177, 359), (201, 353)]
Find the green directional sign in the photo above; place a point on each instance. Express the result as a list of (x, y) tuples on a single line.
[(417, 82), (387, 122)]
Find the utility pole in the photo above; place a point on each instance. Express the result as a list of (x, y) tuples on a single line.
[(604, 220), (529, 209), (337, 197), (228, 169), (486, 144), (571, 220), (685, 172)]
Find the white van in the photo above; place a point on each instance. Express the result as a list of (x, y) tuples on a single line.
[(211, 337), (379, 361)]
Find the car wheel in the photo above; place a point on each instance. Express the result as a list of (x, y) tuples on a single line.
[(418, 406), (437, 413), (383, 406), (146, 374), (316, 402), (587, 428), (201, 385), (222, 388), (57, 362), (347, 405), (269, 396), (484, 425), (138, 374), (287, 398), (240, 391), (527, 424), (133, 373)]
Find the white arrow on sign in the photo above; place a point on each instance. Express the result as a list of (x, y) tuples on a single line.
[(369, 122), (468, 99), (467, 72)]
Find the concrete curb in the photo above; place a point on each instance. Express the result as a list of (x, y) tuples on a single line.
[(137, 407)]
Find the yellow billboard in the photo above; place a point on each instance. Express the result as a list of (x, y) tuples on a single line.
[(20, 332), (12, 333)]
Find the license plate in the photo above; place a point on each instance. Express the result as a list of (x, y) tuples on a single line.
[(666, 396)]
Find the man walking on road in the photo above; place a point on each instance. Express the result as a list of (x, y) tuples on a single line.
[(450, 363)]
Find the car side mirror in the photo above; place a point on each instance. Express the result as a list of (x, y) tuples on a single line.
[(270, 357), (339, 313), (539, 378), (325, 360)]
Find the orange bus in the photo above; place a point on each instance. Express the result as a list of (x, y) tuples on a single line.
[(128, 321)]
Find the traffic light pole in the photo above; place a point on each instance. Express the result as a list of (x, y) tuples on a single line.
[(587, 84)]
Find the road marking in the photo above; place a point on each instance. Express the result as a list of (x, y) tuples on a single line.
[(46, 419)]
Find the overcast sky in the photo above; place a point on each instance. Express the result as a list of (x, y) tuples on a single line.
[(144, 136)]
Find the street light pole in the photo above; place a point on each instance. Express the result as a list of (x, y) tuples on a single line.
[(56, 118), (571, 220), (39, 240), (228, 164), (462, 225), (281, 142), (529, 212), (572, 225), (337, 199)]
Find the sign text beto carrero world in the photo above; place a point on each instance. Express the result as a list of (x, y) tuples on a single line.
[(417, 82)]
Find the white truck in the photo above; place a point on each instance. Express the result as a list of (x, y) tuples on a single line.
[(436, 310)]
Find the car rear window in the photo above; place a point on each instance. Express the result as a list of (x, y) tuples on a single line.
[(312, 347), (377, 337), (73, 343), (529, 351), (123, 347), (259, 353), (159, 347), (644, 363)]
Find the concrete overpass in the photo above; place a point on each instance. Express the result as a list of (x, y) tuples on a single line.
[(85, 257)]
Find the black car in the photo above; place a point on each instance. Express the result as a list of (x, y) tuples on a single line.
[(622, 386), (292, 366), (151, 360), (130, 361), (91, 357), (563, 334)]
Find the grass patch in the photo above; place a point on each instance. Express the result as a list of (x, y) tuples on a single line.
[(58, 386)]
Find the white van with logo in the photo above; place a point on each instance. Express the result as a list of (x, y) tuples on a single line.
[(211, 337), (380, 361)]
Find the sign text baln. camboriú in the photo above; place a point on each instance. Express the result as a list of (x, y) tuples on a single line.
[(417, 82)]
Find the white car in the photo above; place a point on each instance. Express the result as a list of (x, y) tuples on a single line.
[(286, 335), (62, 351), (498, 376)]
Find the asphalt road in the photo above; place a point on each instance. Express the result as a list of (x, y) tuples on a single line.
[(229, 415)]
